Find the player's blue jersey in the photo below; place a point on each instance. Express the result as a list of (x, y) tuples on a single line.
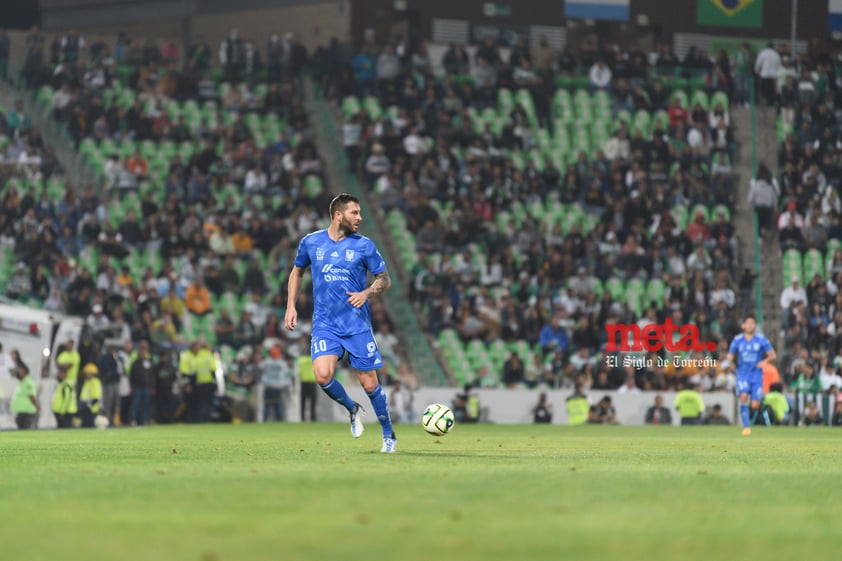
[(748, 353), (338, 268)]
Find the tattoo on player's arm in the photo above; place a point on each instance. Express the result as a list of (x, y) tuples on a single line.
[(381, 282)]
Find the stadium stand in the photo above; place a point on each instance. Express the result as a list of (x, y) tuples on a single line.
[(206, 187), (808, 221), (530, 208), (32, 240)]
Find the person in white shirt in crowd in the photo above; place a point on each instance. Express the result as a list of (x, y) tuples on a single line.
[(629, 386), (97, 319), (351, 132), (582, 284), (814, 174), (793, 294), (111, 169), (699, 260), (388, 69), (491, 272), (675, 262), (829, 375), (61, 99), (618, 146), (698, 139), (722, 294), (19, 284), (6, 364), (721, 165), (29, 162), (767, 65), (414, 143), (256, 180), (786, 70), (378, 163), (388, 343), (791, 212), (831, 204), (276, 379), (763, 195), (400, 402), (259, 312)]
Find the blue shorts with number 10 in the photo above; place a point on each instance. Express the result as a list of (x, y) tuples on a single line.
[(752, 385), (361, 348)]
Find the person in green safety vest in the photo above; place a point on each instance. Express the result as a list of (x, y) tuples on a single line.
[(307, 377), (471, 406), (90, 396), (690, 405), (187, 371), (577, 406), (24, 404), (204, 367), (72, 359), (776, 406), (64, 400)]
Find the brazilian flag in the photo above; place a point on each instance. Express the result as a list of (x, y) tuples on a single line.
[(730, 13)]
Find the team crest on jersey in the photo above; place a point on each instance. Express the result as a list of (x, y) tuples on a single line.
[(320, 254), (349, 255)]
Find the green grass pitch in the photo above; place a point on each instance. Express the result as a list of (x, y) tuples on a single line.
[(483, 492)]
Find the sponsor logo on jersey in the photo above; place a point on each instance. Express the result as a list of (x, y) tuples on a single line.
[(333, 273), (334, 254)]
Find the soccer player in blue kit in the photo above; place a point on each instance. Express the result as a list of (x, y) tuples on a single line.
[(340, 259), (753, 351)]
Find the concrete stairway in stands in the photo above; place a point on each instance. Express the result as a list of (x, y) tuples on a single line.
[(770, 254)]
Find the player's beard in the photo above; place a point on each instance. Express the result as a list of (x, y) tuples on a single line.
[(346, 227)]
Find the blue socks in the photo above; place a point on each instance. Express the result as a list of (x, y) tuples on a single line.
[(338, 394), (744, 414), (381, 409), (378, 400)]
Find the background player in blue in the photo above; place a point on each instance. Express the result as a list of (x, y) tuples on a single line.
[(340, 259), (753, 351)]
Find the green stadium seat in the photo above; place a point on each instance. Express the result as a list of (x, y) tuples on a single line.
[(372, 107), (616, 288), (505, 101), (661, 120), (681, 216), (813, 265), (643, 121), (313, 185), (720, 98), (791, 265), (704, 212), (655, 292), (700, 97)]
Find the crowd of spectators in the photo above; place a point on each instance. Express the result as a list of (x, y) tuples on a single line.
[(652, 198), (807, 94), (653, 203), (185, 245)]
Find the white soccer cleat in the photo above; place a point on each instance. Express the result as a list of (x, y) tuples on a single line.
[(390, 444), (357, 427)]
